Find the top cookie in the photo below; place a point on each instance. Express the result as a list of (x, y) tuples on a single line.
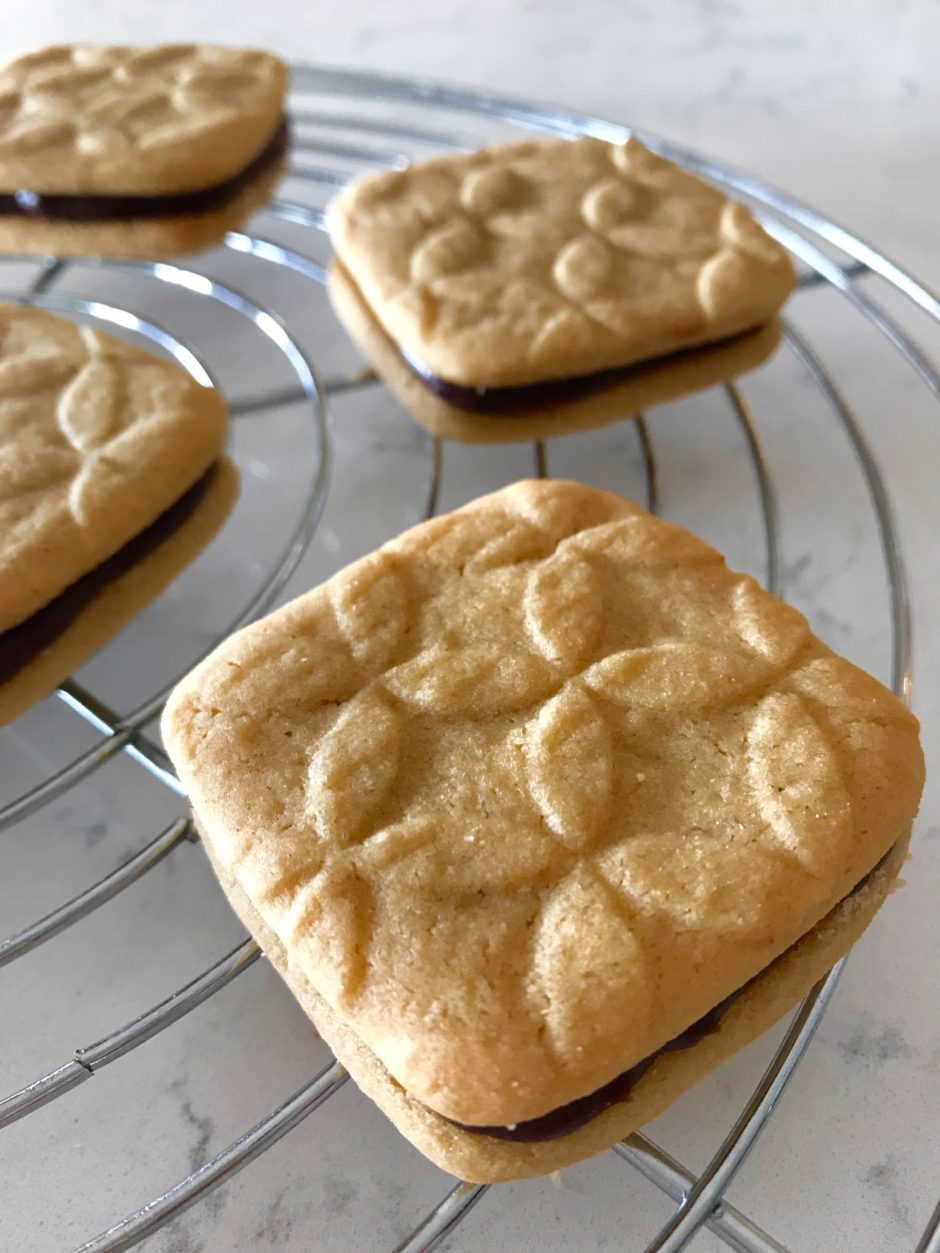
[(97, 439), (550, 259), (535, 786), (104, 121)]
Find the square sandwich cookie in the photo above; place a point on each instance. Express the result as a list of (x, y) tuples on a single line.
[(110, 483), (541, 811), (550, 286), (137, 152)]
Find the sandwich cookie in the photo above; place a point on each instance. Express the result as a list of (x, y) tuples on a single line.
[(110, 483), (550, 286), (137, 152), (542, 812)]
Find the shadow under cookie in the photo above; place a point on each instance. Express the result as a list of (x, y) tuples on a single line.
[(94, 609), (640, 386)]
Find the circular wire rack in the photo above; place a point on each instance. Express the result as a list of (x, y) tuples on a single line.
[(345, 122)]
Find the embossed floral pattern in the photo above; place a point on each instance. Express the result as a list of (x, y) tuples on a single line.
[(539, 260), (99, 117)]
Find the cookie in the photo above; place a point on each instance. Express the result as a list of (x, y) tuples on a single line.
[(136, 152), (543, 262), (98, 438), (640, 386), (41, 652), (528, 794)]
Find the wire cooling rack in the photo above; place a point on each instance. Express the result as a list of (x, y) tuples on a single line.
[(345, 122)]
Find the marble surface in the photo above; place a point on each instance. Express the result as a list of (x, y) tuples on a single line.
[(843, 114)]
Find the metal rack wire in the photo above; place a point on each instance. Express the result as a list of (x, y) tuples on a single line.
[(329, 106)]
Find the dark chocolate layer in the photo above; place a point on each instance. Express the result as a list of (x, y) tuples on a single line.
[(497, 401), (20, 644), (576, 1114), (567, 1118), (81, 208)]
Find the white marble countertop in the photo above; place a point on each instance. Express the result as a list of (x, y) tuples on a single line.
[(841, 109)]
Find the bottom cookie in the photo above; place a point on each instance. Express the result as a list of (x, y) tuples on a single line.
[(480, 1158), (29, 677), (651, 383), (149, 239)]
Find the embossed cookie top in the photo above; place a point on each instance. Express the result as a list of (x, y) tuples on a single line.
[(97, 439), (533, 787), (134, 121), (549, 259)]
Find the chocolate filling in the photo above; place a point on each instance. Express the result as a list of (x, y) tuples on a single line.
[(505, 401), (576, 1114), (24, 642), (80, 208)]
